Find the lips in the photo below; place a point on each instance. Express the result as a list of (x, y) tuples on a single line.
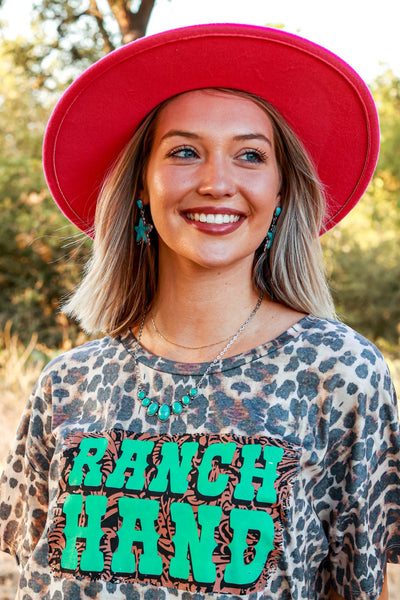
[(214, 220)]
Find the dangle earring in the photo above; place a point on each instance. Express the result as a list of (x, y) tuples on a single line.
[(272, 229), (142, 228)]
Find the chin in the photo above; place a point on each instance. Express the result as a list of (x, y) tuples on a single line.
[(212, 261)]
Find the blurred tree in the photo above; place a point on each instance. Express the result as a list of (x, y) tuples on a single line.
[(39, 262), (363, 252), (35, 266), (386, 91), (79, 33)]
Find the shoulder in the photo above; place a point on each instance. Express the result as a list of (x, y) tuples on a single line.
[(84, 358), (341, 350), (337, 337)]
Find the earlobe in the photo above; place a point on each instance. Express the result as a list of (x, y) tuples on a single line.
[(143, 195)]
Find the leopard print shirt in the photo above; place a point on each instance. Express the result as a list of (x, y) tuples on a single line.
[(280, 476)]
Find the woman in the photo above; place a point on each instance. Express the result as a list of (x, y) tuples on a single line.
[(227, 437)]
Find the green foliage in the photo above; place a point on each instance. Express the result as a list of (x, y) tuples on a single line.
[(39, 264), (75, 34), (70, 35), (386, 91), (363, 252), (35, 268)]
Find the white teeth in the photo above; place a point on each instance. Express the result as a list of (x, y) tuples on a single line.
[(218, 218)]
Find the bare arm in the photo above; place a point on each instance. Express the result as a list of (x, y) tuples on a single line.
[(384, 594)]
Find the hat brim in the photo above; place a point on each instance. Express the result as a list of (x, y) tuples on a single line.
[(321, 97)]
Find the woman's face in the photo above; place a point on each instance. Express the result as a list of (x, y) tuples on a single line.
[(212, 179)]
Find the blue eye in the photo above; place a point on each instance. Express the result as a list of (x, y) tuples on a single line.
[(183, 152), (253, 156)]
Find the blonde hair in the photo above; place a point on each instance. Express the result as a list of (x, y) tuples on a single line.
[(120, 278)]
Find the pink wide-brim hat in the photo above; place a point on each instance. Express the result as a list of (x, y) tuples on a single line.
[(322, 98)]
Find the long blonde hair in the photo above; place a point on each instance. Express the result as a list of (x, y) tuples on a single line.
[(120, 278)]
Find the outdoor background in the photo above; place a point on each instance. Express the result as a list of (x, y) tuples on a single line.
[(44, 45)]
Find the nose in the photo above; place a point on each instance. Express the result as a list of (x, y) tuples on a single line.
[(216, 178)]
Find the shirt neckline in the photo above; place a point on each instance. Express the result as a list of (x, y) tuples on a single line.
[(165, 365)]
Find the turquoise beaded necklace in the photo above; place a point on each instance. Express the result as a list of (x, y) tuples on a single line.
[(165, 411)]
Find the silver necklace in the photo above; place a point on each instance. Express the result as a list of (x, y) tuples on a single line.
[(164, 411)]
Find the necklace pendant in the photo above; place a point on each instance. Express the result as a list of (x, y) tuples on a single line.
[(187, 398), (164, 412), (152, 409), (177, 408), (144, 400)]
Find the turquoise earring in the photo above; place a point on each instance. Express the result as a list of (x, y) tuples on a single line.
[(272, 229), (142, 228)]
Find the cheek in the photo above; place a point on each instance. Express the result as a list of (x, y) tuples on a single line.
[(265, 195), (159, 184), (152, 184)]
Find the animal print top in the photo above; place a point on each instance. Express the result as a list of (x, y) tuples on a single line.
[(281, 475)]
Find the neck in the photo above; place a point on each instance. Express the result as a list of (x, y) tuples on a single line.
[(200, 306)]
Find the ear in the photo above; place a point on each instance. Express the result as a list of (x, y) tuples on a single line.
[(144, 196), (278, 200)]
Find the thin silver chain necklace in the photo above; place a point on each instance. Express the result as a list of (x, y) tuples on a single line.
[(164, 411)]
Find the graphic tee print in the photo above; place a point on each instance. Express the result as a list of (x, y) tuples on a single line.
[(198, 512), (319, 386)]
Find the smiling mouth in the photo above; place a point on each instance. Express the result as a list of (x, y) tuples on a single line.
[(218, 218)]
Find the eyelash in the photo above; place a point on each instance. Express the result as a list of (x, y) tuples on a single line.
[(259, 155), (174, 153)]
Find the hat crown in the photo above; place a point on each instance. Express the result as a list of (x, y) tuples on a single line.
[(321, 97)]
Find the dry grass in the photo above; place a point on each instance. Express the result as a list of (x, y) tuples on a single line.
[(19, 368)]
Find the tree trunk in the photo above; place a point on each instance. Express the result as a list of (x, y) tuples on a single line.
[(131, 25)]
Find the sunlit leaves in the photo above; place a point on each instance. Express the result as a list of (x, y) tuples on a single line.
[(363, 252)]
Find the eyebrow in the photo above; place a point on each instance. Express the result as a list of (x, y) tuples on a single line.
[(252, 136), (237, 138), (180, 133)]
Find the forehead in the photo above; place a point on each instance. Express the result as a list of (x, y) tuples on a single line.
[(209, 108)]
